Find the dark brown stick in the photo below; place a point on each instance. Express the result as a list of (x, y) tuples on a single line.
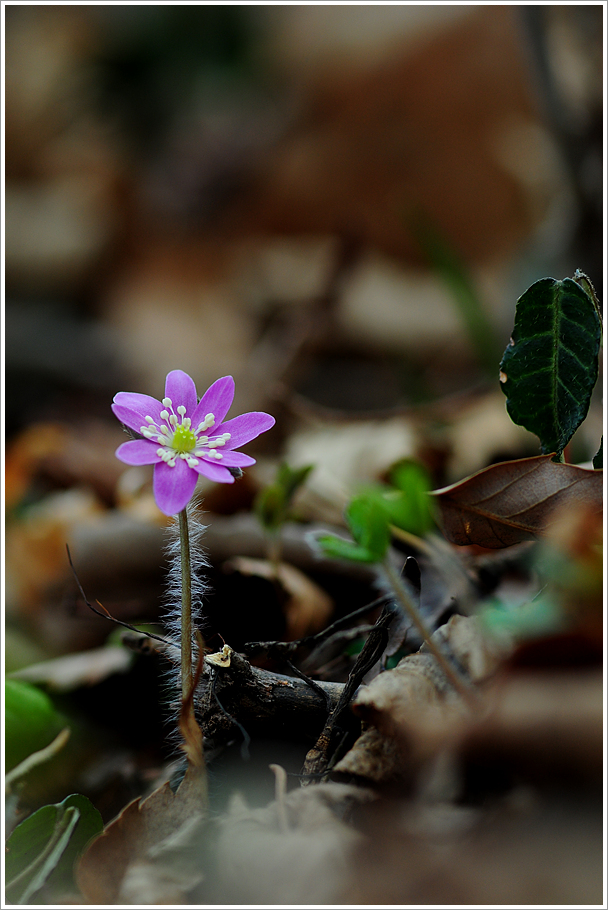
[(260, 701)]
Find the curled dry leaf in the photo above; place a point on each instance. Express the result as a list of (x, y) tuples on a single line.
[(374, 757), (514, 500), (308, 607), (344, 455), (414, 706)]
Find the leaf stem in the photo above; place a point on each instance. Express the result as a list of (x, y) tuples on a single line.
[(274, 550), (412, 611), (36, 758)]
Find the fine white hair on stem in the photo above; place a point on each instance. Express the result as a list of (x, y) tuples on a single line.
[(172, 601)]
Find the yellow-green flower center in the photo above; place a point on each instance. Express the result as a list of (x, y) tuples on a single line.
[(183, 440)]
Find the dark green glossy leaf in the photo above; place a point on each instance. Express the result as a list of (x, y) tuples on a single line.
[(550, 366), (31, 721), (42, 850)]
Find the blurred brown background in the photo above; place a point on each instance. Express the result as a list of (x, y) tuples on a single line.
[(337, 205), (185, 183)]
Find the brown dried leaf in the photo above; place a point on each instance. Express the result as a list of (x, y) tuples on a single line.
[(373, 757), (135, 839), (192, 735), (415, 705), (294, 851), (62, 674), (514, 500), (308, 608), (522, 852)]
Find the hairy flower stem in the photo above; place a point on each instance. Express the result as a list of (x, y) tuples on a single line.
[(186, 616), (188, 725), (412, 611)]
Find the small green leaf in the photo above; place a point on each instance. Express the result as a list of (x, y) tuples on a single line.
[(598, 458), (413, 510), (368, 521), (291, 479), (539, 617), (550, 366), (42, 850), (270, 507), (31, 721), (272, 504), (338, 548)]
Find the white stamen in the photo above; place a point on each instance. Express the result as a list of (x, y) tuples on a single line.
[(149, 420), (173, 420), (187, 423), (207, 422), (164, 415), (167, 403), (181, 410), (165, 428)]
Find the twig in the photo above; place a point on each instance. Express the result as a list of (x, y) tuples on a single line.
[(411, 610), (106, 614), (246, 737), (319, 757), (281, 649)]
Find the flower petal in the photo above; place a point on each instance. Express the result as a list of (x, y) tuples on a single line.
[(214, 472), (173, 487), (236, 460), (180, 388), (131, 408), (244, 428), (216, 400), (138, 451)]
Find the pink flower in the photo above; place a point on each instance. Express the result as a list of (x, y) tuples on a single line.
[(177, 440)]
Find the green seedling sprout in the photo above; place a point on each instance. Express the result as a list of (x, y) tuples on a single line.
[(273, 506)]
